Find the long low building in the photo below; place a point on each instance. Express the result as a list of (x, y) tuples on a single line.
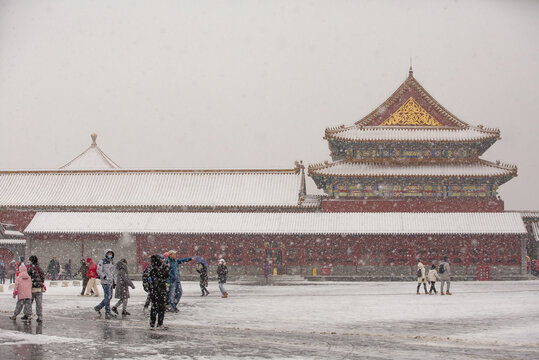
[(359, 244)]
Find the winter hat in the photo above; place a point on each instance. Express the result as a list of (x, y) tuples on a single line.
[(88, 260), (166, 254), (33, 259), (156, 260), (221, 261), (124, 261), (433, 266)]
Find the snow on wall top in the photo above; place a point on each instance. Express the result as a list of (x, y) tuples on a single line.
[(147, 188), (277, 223), (368, 169)]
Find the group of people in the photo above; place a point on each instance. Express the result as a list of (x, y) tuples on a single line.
[(59, 272), (29, 287), (440, 273), (532, 266), (10, 270)]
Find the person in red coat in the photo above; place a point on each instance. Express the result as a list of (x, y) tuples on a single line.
[(92, 278)]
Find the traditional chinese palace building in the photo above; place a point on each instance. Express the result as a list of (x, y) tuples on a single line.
[(406, 182)]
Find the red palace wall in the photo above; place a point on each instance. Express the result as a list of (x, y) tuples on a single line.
[(412, 205), (20, 219)]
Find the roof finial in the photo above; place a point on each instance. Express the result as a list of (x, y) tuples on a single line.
[(411, 71), (94, 137)]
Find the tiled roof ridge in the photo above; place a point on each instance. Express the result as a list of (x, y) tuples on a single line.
[(187, 171), (100, 152), (326, 164)]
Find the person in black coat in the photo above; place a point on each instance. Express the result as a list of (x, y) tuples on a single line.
[(83, 270), (38, 281), (203, 271), (158, 290)]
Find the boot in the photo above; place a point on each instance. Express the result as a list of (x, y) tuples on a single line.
[(442, 293), (448, 293), (13, 317), (109, 316), (115, 310), (125, 312), (418, 292), (225, 295), (26, 318)]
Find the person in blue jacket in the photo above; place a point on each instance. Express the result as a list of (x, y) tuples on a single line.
[(174, 285)]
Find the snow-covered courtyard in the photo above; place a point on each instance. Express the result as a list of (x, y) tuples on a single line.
[(481, 320)]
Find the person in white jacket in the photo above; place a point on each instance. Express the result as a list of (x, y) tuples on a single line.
[(421, 278), (433, 277)]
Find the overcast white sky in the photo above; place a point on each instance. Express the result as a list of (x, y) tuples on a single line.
[(253, 84)]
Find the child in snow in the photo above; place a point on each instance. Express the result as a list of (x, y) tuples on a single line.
[(421, 278), (222, 274), (203, 271), (122, 286), (23, 289), (433, 276), (157, 281)]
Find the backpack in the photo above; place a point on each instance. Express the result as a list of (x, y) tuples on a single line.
[(441, 269), (419, 273), (145, 276)]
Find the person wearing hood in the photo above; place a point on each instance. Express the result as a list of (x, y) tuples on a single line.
[(106, 273), (38, 281), (157, 281), (92, 278), (222, 274), (11, 271), (421, 278), (23, 290), (2, 273), (122, 287)]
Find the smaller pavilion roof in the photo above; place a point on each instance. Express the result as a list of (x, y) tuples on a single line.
[(92, 158), (275, 223), (347, 168)]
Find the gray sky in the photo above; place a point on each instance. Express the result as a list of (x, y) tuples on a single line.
[(253, 84)]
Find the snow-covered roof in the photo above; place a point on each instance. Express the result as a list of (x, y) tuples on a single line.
[(535, 230), (384, 133), (369, 169), (276, 223), (529, 214), (12, 242), (92, 158), (150, 188)]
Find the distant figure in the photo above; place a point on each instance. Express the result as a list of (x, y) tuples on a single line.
[(11, 271), (421, 278), (23, 290), (203, 271), (267, 269), (159, 273), (67, 268), (444, 270), (53, 269), (432, 277), (222, 274), (92, 278), (2, 273), (83, 271), (122, 287), (38, 286)]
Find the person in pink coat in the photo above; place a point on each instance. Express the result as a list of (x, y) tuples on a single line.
[(23, 289)]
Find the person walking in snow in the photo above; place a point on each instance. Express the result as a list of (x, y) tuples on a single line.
[(146, 286), (2, 273), (421, 277), (444, 270), (222, 275), (106, 273), (23, 290), (11, 271), (122, 287), (67, 268), (157, 280), (38, 285), (83, 271), (92, 278), (203, 271), (174, 284), (433, 277)]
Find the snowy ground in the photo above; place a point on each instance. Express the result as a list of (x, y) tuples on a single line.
[(481, 320)]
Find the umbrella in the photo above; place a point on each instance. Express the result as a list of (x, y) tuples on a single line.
[(200, 260)]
